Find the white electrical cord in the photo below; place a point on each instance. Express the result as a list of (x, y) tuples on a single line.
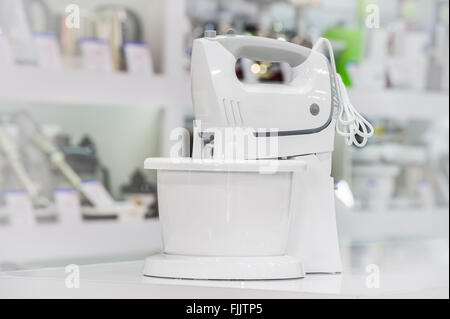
[(350, 123)]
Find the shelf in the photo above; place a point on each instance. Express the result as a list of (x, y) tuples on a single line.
[(401, 104), (392, 224), (96, 239), (32, 84)]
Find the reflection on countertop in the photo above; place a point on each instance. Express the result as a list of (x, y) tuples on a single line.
[(415, 269)]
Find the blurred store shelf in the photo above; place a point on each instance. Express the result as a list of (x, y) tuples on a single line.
[(392, 224), (31, 84), (401, 103), (53, 242)]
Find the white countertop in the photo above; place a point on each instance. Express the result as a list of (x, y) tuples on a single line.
[(427, 276)]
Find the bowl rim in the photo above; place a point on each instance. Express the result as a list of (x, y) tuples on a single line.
[(190, 164)]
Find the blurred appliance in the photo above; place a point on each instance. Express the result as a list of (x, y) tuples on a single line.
[(82, 157), (437, 140), (202, 10), (6, 56), (375, 185), (408, 66), (415, 155), (33, 132), (15, 25), (70, 38), (438, 72), (236, 210), (81, 170), (142, 193), (15, 175), (118, 25), (39, 16), (98, 202)]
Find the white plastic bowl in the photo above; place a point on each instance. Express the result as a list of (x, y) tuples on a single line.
[(224, 208)]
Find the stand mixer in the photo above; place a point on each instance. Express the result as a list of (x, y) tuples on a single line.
[(256, 200)]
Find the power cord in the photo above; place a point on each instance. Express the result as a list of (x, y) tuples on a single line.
[(350, 123)]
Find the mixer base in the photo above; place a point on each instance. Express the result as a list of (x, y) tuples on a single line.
[(223, 268)]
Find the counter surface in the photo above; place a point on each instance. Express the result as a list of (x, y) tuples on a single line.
[(406, 270)]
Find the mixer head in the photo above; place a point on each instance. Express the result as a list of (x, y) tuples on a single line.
[(299, 112)]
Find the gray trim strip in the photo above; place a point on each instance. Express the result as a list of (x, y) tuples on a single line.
[(296, 132)]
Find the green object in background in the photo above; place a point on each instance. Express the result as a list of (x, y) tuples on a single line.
[(352, 50)]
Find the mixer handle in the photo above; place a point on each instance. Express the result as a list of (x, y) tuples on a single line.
[(265, 49)]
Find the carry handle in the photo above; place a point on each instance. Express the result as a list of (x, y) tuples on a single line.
[(265, 49)]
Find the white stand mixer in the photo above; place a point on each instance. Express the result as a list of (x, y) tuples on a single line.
[(256, 201)]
